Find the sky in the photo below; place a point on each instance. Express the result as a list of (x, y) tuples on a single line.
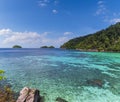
[(35, 23)]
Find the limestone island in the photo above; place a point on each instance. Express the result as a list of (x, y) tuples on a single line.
[(47, 47), (17, 46)]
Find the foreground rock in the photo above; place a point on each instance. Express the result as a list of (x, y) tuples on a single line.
[(33, 95), (29, 95)]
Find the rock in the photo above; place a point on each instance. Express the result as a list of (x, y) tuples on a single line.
[(23, 94), (95, 82), (59, 99), (30, 95), (26, 95), (37, 97)]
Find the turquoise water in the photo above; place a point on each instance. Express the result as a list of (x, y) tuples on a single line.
[(63, 73)]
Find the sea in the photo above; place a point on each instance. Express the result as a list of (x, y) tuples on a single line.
[(72, 75)]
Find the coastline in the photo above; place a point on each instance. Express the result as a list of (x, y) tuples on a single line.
[(95, 50)]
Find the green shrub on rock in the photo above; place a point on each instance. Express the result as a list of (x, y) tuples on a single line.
[(1, 74)]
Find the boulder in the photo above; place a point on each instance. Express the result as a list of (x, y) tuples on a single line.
[(29, 95), (23, 94), (37, 97)]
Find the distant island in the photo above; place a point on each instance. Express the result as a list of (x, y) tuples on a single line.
[(105, 40), (17, 46), (47, 47)]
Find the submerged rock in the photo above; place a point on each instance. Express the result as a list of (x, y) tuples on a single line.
[(95, 82), (59, 99)]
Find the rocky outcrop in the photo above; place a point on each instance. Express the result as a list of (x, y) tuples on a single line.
[(29, 95), (33, 95)]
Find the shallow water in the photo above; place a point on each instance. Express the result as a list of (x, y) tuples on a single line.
[(63, 73)]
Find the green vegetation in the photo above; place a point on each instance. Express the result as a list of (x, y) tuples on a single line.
[(51, 47), (44, 47), (104, 40), (47, 47), (1, 74), (6, 94), (17, 46)]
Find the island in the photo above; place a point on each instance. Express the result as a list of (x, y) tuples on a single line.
[(17, 46), (105, 40), (47, 47)]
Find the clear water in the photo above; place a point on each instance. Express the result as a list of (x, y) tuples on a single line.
[(63, 73)]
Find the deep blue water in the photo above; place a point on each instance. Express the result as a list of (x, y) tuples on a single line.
[(64, 73)]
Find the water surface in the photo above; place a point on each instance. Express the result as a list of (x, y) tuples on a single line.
[(63, 73)]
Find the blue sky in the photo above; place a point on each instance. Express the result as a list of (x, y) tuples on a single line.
[(34, 23)]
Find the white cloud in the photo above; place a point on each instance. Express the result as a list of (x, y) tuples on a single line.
[(115, 20), (55, 11), (100, 2), (5, 31), (68, 33), (101, 8), (43, 3), (8, 38)]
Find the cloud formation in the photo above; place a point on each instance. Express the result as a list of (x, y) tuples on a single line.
[(43, 3), (68, 33), (55, 11), (115, 20), (8, 38), (101, 8), (50, 3), (106, 14)]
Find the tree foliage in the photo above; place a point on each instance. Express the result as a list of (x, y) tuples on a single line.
[(104, 40)]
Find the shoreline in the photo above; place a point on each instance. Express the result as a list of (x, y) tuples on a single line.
[(95, 50)]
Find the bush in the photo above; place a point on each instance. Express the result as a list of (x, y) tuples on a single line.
[(1, 74)]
